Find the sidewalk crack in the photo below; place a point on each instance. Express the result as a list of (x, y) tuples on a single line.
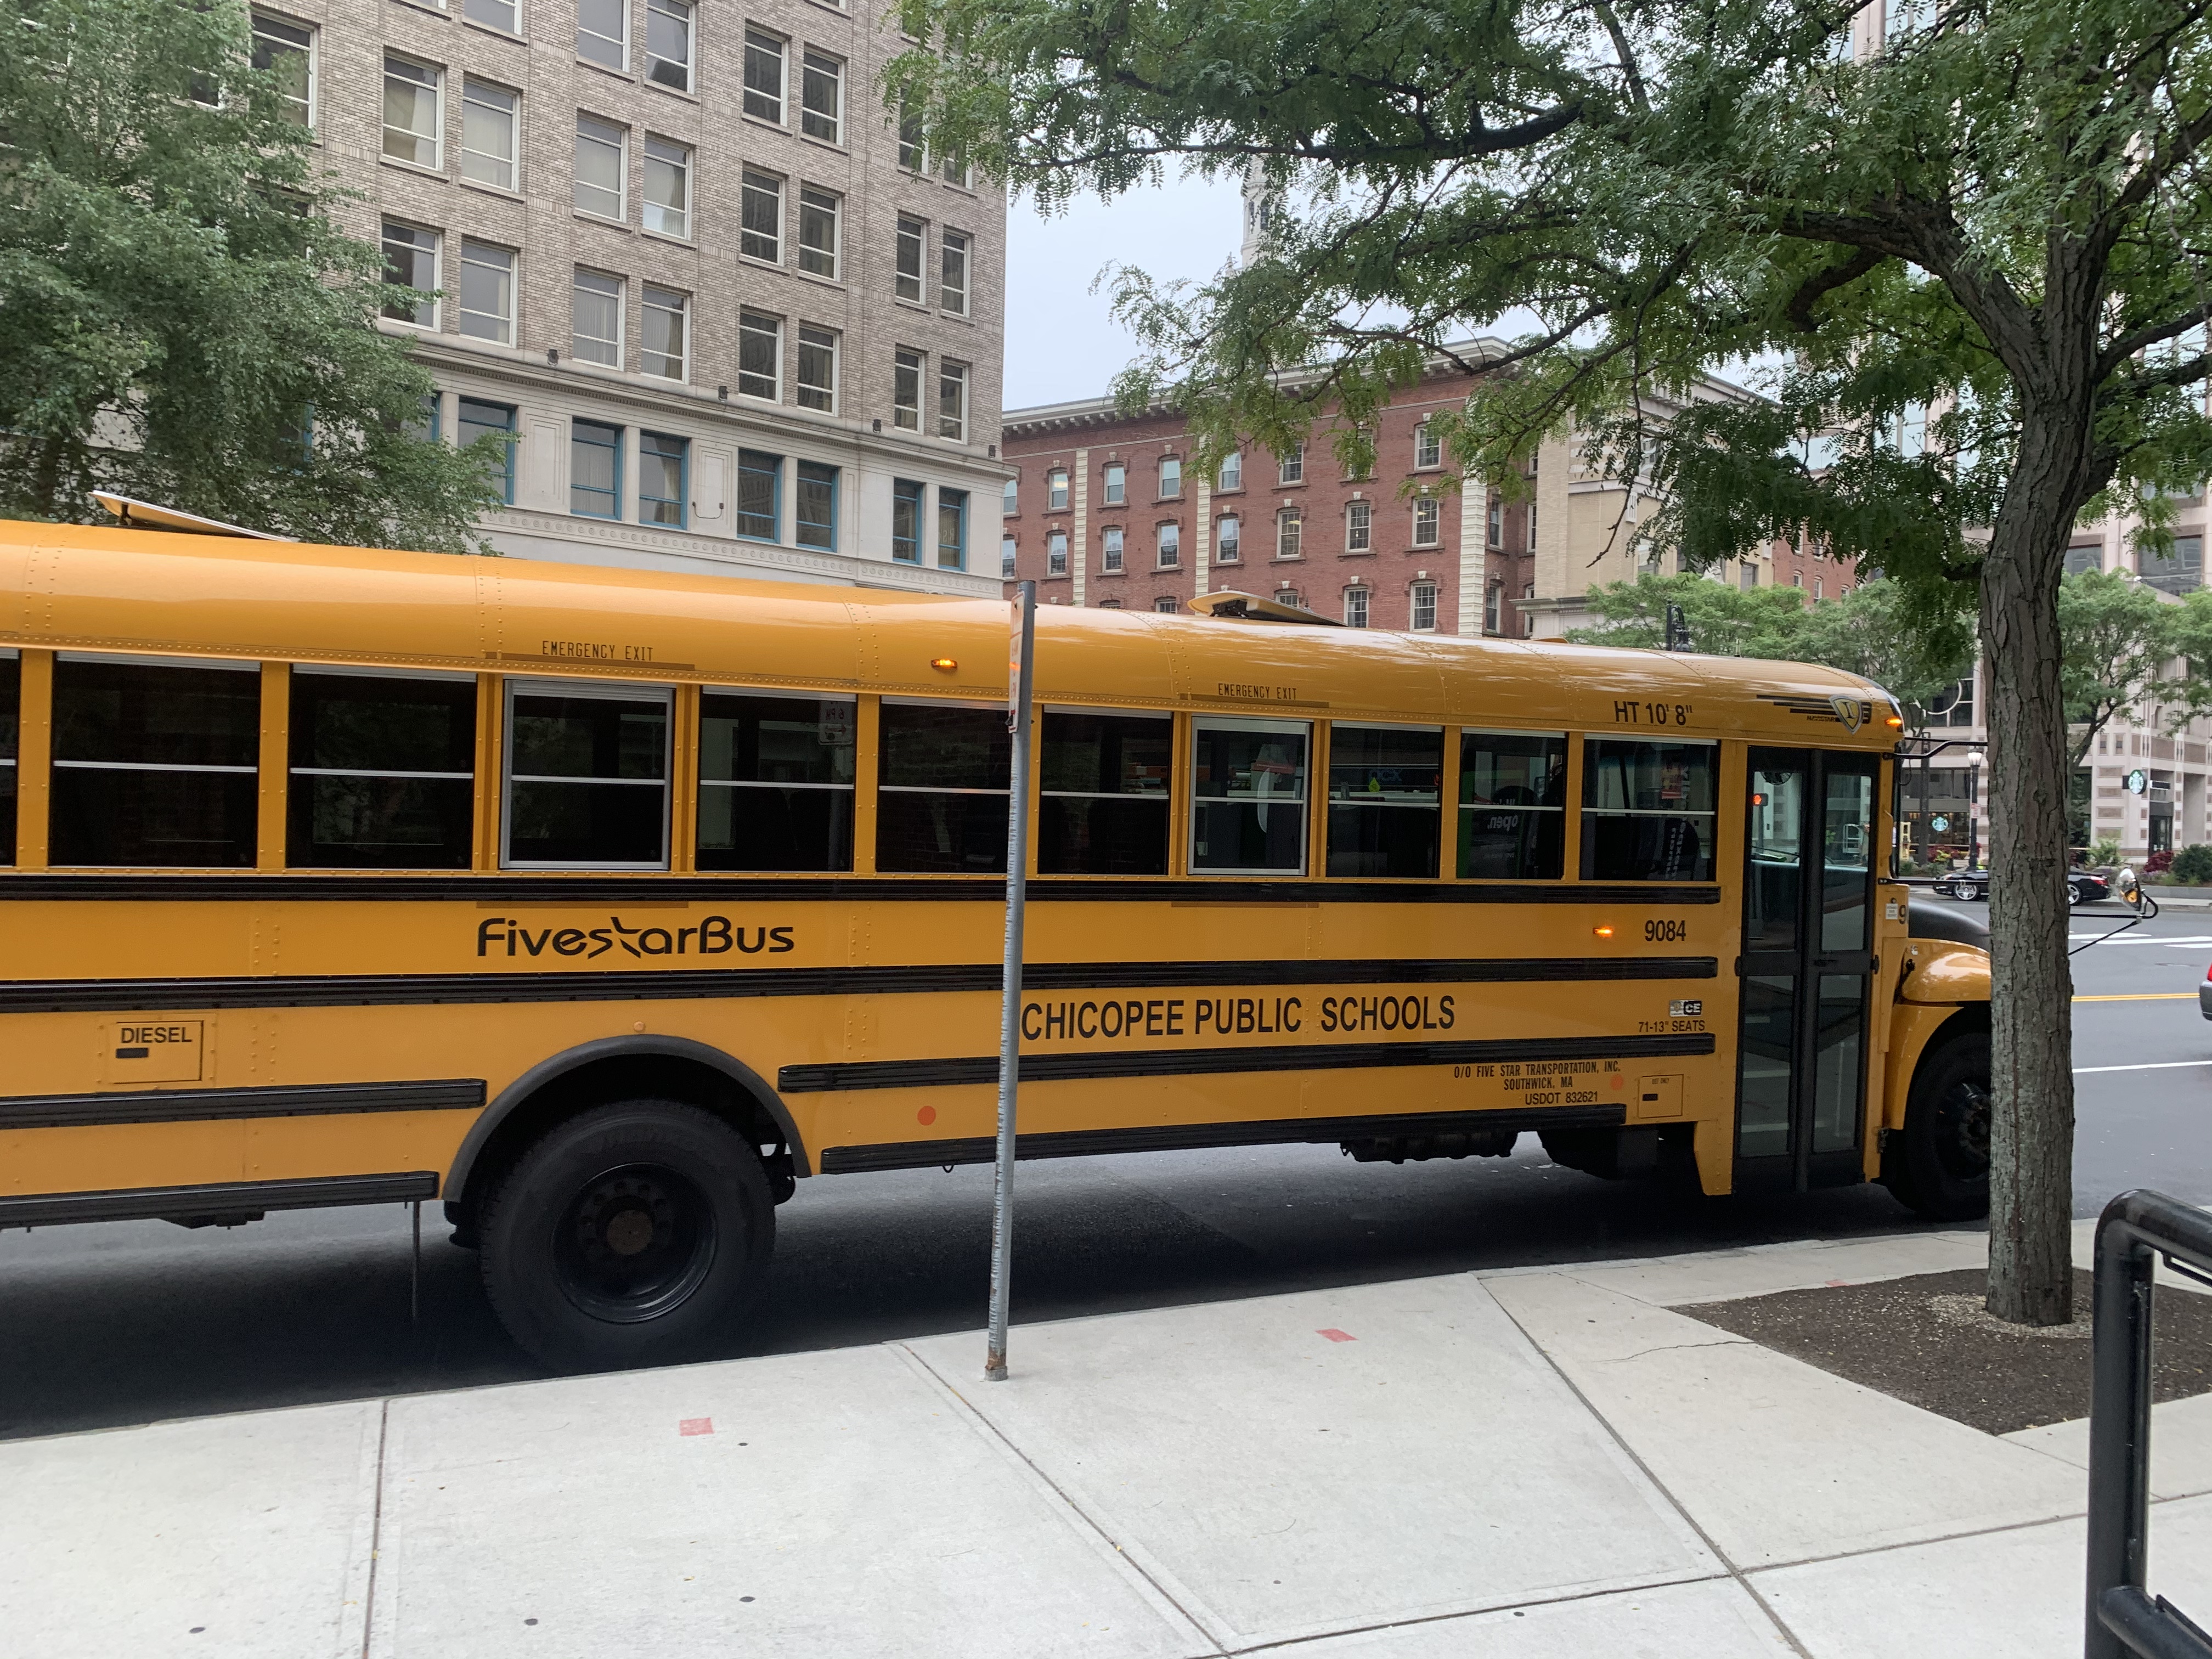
[(1670, 1347), (376, 1530)]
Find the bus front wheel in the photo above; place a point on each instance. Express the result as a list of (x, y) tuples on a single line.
[(635, 1233), (1938, 1162)]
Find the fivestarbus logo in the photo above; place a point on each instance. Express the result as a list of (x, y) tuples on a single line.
[(714, 936)]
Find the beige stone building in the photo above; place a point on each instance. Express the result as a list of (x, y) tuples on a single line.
[(728, 320)]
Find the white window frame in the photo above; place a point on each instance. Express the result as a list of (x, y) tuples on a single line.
[(622, 315), (621, 147), (1428, 521), (431, 296), (1293, 520), (621, 44), (1292, 468), (829, 66), (1428, 447), (813, 198), (510, 322), (312, 52), (910, 287), (908, 360), (951, 298), (1167, 545), (1056, 490), (748, 319), (437, 134), (763, 42), (1229, 475), (825, 339), (1416, 595), (471, 85), (647, 304), (1356, 604), (690, 14), (1359, 526), (951, 374), (676, 158), (1113, 484), (1112, 549), (1056, 553), (516, 31), (1229, 548), (754, 182)]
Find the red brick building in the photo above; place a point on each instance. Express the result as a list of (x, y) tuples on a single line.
[(1110, 511)]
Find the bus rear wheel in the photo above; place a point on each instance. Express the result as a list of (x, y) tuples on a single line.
[(1938, 1162), (636, 1233)]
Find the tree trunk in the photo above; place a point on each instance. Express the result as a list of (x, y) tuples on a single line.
[(2032, 985)]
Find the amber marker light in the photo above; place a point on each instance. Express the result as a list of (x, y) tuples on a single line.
[(1604, 930), (1895, 722), (946, 664)]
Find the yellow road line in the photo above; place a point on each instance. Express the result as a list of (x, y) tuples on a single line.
[(2144, 996)]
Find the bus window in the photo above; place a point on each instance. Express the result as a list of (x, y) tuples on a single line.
[(1103, 806), (588, 776), (1774, 846), (155, 762), (383, 770), (1385, 800), (776, 782), (1512, 805), (11, 702), (1247, 809), (1647, 810), (941, 789)]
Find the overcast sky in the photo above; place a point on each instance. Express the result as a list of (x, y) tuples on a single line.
[(1060, 344)]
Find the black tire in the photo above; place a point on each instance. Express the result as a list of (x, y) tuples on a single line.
[(637, 1233), (1938, 1162)]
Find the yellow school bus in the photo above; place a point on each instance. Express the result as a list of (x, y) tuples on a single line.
[(609, 907)]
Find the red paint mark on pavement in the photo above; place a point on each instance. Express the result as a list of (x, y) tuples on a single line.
[(1335, 1335), (695, 1425), (1837, 1283)]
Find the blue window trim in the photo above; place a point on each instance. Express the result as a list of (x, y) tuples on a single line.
[(683, 481), (776, 495), (573, 425), (835, 478), (507, 466), (958, 502), (908, 490)]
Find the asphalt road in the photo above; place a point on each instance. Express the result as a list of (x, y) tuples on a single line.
[(133, 1323)]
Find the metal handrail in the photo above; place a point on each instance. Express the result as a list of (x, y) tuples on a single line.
[(2122, 1618)]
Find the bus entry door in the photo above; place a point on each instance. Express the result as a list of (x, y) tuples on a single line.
[(1806, 968)]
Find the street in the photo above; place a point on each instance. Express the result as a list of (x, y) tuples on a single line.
[(133, 1323)]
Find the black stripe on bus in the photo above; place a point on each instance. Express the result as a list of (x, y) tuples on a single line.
[(218, 1200), (650, 985), (201, 1105), (1184, 1137), (842, 1076), (103, 887)]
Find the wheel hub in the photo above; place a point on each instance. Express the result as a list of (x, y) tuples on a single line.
[(1962, 1119), (634, 1243)]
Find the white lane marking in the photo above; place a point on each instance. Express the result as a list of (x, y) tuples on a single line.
[(2149, 1066)]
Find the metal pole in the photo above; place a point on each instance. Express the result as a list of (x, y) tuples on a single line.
[(1020, 681), (414, 1274)]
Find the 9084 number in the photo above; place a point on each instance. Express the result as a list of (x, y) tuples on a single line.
[(1665, 932)]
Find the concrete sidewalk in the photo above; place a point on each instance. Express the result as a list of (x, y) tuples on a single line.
[(1559, 1462)]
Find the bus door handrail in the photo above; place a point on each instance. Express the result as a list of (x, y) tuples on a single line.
[(2122, 1617)]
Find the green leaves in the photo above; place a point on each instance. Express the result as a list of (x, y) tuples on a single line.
[(174, 296)]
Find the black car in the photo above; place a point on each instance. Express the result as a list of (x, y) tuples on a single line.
[(2082, 886)]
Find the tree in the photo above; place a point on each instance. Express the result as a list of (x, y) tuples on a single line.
[(1976, 246), (181, 320), (2120, 639)]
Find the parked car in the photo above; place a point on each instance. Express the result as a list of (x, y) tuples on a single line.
[(2082, 886)]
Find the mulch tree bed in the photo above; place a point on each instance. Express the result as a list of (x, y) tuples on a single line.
[(1925, 1340)]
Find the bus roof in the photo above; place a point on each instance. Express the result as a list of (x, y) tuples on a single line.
[(94, 588)]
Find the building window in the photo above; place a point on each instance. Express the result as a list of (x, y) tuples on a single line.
[(814, 518), (2084, 556), (760, 495), (817, 368), (488, 292), (595, 469), (1532, 526), (941, 789), (1232, 475), (412, 118), (1170, 545), (1055, 554), (906, 389), (602, 32), (1109, 604), (952, 401), (1170, 478), (1290, 531), (1110, 550), (1292, 467), (1056, 490), (822, 98), (154, 763), (666, 347), (1359, 527), (1512, 805), (667, 188), (411, 263), (1493, 607), (911, 155), (668, 43), (955, 170), (760, 217), (1819, 583), (776, 781), (1225, 534), (383, 770), (483, 420), (1167, 605), (287, 51), (1010, 497), (1746, 574), (490, 120), (951, 529), (663, 463), (913, 235), (763, 77), (1648, 810), (1424, 607), (1006, 557), (1428, 446), (1248, 800), (952, 268), (1117, 484), (760, 355), (1428, 521), (821, 213), (600, 167), (587, 775), (1497, 522), (2177, 568), (595, 318), (906, 521), (1355, 607), (1288, 595)]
